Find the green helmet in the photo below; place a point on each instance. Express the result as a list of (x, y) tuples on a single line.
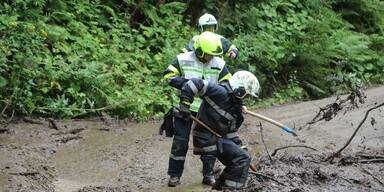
[(243, 83), (208, 43)]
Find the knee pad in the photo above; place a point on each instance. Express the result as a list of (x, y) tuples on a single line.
[(179, 146)]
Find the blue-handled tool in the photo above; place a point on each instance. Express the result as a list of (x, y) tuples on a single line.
[(284, 127)]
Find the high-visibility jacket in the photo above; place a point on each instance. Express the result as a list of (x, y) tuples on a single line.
[(187, 66)]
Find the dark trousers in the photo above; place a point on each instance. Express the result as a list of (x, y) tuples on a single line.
[(236, 161), (180, 147)]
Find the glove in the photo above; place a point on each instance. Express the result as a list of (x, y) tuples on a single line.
[(184, 111), (232, 54), (244, 109)]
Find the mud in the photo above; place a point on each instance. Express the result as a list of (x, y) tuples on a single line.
[(116, 155)]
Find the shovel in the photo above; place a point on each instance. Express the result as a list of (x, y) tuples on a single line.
[(284, 127)]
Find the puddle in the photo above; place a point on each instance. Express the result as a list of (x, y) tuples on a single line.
[(62, 185), (97, 158)]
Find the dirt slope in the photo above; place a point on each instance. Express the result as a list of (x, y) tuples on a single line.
[(114, 155)]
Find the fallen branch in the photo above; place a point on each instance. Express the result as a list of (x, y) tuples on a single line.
[(104, 129), (53, 124), (267, 177), (25, 173), (345, 180), (331, 157), (331, 110), (33, 121), (5, 108), (368, 156), (265, 146), (344, 161), (69, 138), (280, 148), (7, 122), (73, 131), (373, 176)]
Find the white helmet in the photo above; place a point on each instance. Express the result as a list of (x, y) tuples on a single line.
[(207, 19), (243, 83)]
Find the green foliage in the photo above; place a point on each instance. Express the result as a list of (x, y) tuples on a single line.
[(76, 58), (365, 16), (309, 40)]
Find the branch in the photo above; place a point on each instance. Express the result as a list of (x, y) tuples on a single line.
[(348, 162), (331, 157), (277, 149), (25, 173), (265, 176), (53, 124), (373, 176), (69, 138), (33, 121), (265, 146)]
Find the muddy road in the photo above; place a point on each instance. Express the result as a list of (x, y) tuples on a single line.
[(115, 155)]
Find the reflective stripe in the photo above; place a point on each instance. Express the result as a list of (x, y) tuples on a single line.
[(204, 89), (168, 76), (205, 149), (231, 135), (222, 113), (192, 74), (193, 87), (195, 69), (233, 184), (184, 50), (211, 72), (218, 109), (177, 158), (193, 125), (173, 69), (226, 77)]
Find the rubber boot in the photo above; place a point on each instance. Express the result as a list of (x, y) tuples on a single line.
[(209, 180), (219, 184), (173, 181)]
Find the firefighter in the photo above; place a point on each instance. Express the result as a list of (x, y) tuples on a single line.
[(221, 110), (208, 22), (203, 62)]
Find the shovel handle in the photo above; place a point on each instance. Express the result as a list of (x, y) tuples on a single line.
[(204, 125), (284, 127)]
